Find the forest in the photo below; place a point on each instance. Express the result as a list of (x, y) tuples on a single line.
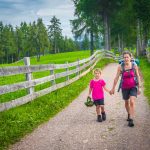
[(112, 25)]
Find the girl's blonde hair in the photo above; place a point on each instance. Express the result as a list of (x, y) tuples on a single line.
[(97, 70)]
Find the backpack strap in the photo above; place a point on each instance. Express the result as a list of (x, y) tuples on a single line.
[(122, 70), (122, 66), (135, 76)]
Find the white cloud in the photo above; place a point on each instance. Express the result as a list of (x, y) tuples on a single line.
[(16, 11), (64, 12), (60, 11)]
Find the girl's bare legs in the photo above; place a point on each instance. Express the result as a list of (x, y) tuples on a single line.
[(103, 113), (102, 108), (98, 110)]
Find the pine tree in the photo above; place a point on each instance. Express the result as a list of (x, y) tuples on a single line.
[(55, 34)]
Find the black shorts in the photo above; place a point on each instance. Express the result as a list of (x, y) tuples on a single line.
[(126, 93), (99, 102)]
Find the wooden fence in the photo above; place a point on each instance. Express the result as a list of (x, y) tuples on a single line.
[(30, 83)]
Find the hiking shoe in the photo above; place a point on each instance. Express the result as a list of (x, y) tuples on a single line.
[(99, 118), (131, 124), (103, 116), (128, 119)]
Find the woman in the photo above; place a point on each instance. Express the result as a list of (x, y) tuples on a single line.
[(130, 87)]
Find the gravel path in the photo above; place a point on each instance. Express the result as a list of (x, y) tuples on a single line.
[(76, 128)]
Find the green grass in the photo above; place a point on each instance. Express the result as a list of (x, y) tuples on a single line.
[(17, 122), (145, 68), (54, 58)]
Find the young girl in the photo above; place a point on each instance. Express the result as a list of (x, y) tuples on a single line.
[(96, 88)]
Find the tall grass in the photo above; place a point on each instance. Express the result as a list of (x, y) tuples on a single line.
[(17, 122), (145, 68)]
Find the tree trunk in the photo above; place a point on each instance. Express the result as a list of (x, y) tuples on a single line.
[(12, 58), (141, 34), (55, 50), (144, 41), (7, 57), (43, 52), (106, 32), (138, 39), (119, 43), (122, 44), (109, 38), (38, 54), (92, 43), (18, 54)]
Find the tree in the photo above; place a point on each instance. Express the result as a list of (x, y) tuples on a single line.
[(2, 54), (87, 22), (123, 25), (55, 33), (18, 37), (42, 36), (25, 35), (9, 45), (12, 44), (142, 11)]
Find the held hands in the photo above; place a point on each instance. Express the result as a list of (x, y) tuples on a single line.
[(112, 91)]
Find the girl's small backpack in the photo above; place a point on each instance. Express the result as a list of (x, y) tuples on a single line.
[(89, 102)]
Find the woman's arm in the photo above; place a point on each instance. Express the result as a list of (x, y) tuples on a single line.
[(138, 76), (116, 79)]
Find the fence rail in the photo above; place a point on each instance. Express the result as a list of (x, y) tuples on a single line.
[(31, 83)]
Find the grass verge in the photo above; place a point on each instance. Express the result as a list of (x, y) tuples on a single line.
[(145, 69), (17, 122)]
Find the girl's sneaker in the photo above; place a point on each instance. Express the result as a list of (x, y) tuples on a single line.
[(99, 118), (131, 124), (104, 116)]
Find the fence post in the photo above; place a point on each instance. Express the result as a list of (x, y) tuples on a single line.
[(67, 69), (84, 65), (78, 67), (52, 73), (28, 75)]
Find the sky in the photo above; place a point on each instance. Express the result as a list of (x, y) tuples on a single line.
[(15, 11)]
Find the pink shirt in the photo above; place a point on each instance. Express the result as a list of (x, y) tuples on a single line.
[(128, 79), (97, 89)]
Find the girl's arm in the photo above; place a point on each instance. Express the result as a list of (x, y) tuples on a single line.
[(90, 90), (106, 89)]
